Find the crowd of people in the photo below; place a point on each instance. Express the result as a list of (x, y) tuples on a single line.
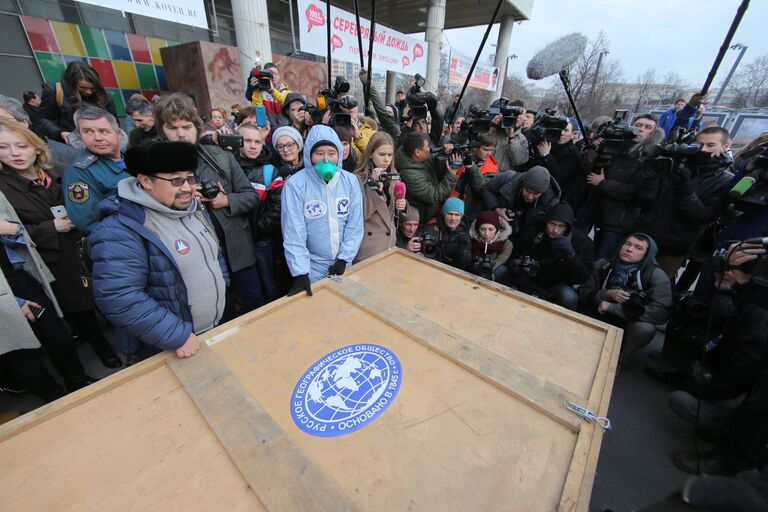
[(194, 217)]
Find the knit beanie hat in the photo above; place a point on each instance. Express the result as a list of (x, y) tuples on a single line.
[(290, 132), (488, 217), (410, 214), (454, 204), (536, 179), (157, 157)]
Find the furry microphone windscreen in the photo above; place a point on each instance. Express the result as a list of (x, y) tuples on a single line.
[(557, 56)]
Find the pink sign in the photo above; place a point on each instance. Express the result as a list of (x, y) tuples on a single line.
[(406, 61), (336, 42), (418, 51), (315, 17)]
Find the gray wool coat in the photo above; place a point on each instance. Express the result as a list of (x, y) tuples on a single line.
[(16, 332)]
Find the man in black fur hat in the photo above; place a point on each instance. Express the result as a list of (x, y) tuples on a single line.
[(158, 274)]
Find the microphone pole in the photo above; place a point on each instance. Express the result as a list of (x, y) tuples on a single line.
[(726, 43), (359, 35), (328, 22), (367, 90), (474, 62), (566, 80)]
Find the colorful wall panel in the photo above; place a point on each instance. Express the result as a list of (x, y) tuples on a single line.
[(126, 63)]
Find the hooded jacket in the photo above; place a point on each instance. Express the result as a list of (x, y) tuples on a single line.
[(321, 222), (555, 267), (481, 248), (648, 279), (137, 283), (454, 246), (503, 191)]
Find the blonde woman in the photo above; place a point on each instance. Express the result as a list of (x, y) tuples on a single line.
[(38, 201), (381, 207)]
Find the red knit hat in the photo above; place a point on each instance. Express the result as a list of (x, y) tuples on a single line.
[(488, 217)]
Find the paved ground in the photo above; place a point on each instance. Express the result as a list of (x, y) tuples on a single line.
[(634, 468)]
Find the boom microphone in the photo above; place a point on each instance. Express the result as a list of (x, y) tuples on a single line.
[(557, 56)]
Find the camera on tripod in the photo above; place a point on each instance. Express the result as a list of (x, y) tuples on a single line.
[(332, 99)]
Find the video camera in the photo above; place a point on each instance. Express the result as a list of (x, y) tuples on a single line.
[(384, 178), (419, 101), (509, 113), (329, 99), (547, 127), (264, 78), (617, 137)]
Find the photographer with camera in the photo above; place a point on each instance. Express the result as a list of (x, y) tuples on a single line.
[(729, 368), (479, 167), (408, 236), (263, 88), (682, 193), (225, 192), (511, 145), (564, 162), (551, 257), (616, 175), (451, 232), (629, 290), (490, 246), (377, 175), (419, 171), (421, 113), (295, 112), (521, 198)]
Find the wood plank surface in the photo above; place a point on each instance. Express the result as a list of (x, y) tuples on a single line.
[(282, 477), (535, 391), (138, 446)]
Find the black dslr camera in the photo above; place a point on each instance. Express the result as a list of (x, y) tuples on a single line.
[(547, 127), (509, 113), (430, 237), (209, 189), (482, 266), (524, 265), (329, 99)]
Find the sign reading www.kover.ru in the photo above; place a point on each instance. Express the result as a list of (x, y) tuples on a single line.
[(392, 50)]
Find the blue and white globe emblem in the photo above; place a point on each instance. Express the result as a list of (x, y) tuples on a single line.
[(345, 390)]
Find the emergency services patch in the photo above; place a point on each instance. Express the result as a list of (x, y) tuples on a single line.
[(314, 209), (78, 192), (342, 206)]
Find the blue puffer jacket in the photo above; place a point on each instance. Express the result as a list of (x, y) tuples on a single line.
[(136, 282)]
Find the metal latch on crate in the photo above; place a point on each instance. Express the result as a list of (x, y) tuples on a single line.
[(587, 415)]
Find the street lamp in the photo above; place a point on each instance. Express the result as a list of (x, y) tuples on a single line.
[(737, 46)]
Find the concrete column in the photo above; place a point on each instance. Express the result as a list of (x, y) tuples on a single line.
[(389, 95), (434, 36), (502, 52), (251, 32)]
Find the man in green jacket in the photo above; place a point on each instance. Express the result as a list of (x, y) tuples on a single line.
[(418, 170)]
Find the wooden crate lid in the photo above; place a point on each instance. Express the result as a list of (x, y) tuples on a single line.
[(477, 423)]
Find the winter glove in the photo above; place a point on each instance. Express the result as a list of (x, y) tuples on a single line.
[(681, 182), (338, 268), (562, 245), (300, 284)]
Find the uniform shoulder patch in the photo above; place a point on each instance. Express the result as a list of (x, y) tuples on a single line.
[(78, 192)]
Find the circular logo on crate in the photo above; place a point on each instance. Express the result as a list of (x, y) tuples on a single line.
[(346, 390)]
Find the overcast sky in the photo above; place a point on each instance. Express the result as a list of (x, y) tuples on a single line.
[(669, 35)]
